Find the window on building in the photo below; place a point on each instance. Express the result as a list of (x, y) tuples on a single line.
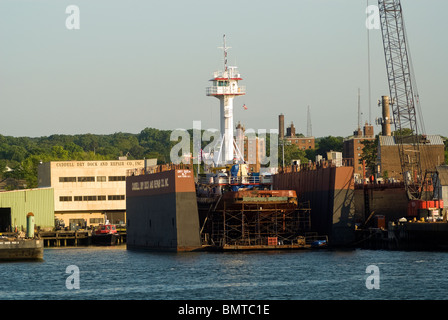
[(78, 198), (67, 179), (96, 220), (86, 179), (89, 198), (101, 179), (101, 198), (117, 178), (65, 198), (115, 197), (77, 222)]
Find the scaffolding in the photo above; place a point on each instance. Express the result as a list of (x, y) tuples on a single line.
[(259, 222)]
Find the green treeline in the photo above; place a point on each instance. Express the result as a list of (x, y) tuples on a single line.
[(20, 156)]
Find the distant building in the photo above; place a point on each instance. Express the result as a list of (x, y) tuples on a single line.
[(335, 157), (432, 154), (353, 149), (89, 192), (252, 148), (291, 138)]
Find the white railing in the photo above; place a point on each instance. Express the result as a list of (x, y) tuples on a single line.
[(216, 90), (235, 180), (231, 72)]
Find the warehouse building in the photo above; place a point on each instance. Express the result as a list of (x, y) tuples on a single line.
[(15, 206), (89, 193)]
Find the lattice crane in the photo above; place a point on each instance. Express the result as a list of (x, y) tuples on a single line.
[(404, 97)]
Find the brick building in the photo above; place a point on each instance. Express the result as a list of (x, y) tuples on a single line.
[(431, 155), (298, 140), (253, 148), (353, 148)]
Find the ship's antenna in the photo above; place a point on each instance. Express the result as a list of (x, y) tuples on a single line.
[(359, 110), (224, 48), (309, 131)]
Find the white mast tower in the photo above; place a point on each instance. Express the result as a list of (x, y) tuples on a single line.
[(225, 88)]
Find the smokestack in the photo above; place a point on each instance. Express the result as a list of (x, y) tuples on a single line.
[(281, 126), (386, 130)]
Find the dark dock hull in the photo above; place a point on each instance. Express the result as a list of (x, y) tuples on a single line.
[(17, 250), (330, 193), (162, 212), (105, 239)]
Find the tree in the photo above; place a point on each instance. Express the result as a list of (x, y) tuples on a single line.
[(405, 132), (329, 143), (445, 142), (291, 152), (370, 154), (311, 154)]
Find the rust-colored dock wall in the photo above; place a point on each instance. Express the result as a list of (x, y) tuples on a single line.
[(330, 192), (388, 200)]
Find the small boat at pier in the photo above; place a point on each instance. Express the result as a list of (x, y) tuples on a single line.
[(105, 235)]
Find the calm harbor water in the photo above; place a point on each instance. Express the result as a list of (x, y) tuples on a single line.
[(115, 273)]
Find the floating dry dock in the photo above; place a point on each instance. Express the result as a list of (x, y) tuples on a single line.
[(12, 249), (166, 211)]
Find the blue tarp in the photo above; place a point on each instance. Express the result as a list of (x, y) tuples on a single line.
[(234, 170)]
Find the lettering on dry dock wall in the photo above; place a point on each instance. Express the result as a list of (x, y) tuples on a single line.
[(152, 184)]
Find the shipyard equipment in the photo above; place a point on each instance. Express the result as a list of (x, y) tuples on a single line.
[(406, 109), (404, 97)]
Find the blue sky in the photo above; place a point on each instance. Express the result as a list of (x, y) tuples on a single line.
[(140, 63)]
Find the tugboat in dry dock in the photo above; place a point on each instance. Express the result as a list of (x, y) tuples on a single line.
[(105, 235)]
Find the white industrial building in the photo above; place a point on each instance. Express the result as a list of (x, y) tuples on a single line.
[(88, 193)]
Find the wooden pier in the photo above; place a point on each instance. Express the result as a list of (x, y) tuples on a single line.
[(68, 238)]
